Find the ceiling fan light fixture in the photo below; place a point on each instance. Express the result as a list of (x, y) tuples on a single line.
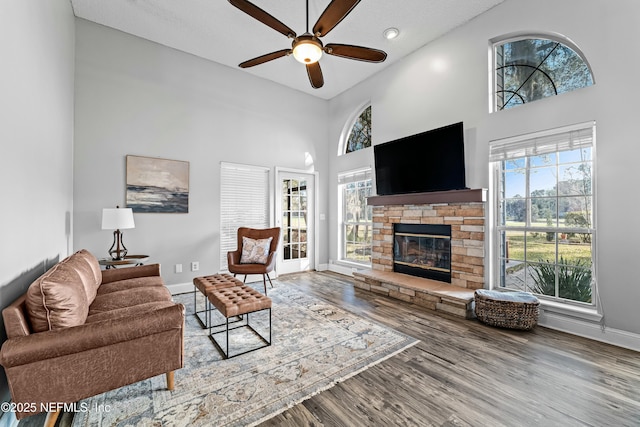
[(307, 49), (391, 33)]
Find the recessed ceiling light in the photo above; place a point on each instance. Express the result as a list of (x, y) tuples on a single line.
[(391, 33)]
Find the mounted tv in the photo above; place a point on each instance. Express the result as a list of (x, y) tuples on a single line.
[(428, 161)]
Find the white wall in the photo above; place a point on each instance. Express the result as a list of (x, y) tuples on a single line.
[(137, 97), (447, 81), (36, 140)]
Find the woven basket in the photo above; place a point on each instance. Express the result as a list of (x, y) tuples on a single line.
[(514, 310)]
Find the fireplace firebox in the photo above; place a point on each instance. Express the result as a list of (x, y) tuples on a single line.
[(422, 250)]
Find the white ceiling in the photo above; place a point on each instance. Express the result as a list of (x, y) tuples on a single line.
[(216, 30)]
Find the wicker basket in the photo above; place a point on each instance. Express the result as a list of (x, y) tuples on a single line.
[(515, 310)]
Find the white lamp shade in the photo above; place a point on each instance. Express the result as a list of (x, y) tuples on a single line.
[(117, 219)]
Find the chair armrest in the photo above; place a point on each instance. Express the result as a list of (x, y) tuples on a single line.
[(271, 261), (233, 257), (62, 342), (115, 274)]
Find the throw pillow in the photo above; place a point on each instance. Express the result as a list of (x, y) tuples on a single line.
[(255, 251), (57, 299)]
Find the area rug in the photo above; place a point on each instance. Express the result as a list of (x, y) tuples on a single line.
[(315, 345)]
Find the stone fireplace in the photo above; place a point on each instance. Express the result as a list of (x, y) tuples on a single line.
[(462, 210)]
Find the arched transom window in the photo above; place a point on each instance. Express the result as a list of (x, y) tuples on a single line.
[(360, 133), (528, 69)]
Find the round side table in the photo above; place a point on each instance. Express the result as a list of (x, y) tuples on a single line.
[(127, 260)]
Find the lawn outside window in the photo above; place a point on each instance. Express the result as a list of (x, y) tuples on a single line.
[(544, 213)]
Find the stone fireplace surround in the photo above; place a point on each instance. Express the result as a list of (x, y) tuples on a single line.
[(464, 211)]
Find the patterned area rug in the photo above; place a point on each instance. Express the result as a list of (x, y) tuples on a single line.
[(315, 345)]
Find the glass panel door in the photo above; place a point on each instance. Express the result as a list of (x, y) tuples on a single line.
[(295, 220)]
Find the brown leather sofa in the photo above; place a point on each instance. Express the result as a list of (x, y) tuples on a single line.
[(79, 331)]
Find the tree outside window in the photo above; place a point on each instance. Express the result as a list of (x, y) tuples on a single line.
[(535, 68), (360, 134)]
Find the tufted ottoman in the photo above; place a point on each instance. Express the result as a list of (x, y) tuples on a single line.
[(515, 310), (237, 301), (209, 283)]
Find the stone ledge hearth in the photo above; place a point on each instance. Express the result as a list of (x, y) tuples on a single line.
[(427, 293)]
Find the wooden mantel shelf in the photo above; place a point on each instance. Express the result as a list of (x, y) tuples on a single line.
[(453, 196)]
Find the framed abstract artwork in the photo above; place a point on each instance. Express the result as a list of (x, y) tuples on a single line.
[(157, 185)]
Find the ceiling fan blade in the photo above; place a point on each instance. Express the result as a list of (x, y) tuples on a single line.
[(265, 58), (262, 16), (355, 52), (332, 15), (315, 75)]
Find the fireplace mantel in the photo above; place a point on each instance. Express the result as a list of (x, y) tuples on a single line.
[(453, 196)]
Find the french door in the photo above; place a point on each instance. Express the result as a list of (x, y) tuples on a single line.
[(295, 215)]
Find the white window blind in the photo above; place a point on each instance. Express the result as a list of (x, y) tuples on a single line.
[(354, 176), (244, 202), (545, 142)]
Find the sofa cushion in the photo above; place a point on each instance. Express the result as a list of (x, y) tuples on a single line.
[(134, 282), (129, 311), (89, 270), (128, 298), (57, 299)]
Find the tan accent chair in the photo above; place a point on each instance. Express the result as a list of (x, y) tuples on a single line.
[(233, 257), (79, 331)]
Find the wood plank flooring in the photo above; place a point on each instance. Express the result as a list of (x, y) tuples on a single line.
[(464, 373)]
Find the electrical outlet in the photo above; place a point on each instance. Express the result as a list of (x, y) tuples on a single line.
[(195, 266), (178, 268)]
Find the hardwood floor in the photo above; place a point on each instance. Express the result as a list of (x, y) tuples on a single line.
[(464, 373)]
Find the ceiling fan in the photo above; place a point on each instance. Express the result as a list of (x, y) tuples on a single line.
[(307, 48)]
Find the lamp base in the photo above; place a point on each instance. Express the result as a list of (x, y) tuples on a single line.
[(117, 251)]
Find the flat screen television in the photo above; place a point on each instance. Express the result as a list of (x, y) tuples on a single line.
[(428, 161)]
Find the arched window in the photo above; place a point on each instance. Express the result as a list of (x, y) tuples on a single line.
[(360, 133), (531, 68)]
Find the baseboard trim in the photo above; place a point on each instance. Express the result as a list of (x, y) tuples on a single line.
[(180, 288), (590, 330), (551, 320), (341, 269), (564, 323), (183, 288)]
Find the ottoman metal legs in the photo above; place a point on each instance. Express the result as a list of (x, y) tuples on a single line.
[(205, 284), (237, 301)]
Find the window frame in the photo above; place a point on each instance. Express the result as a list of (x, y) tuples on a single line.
[(344, 179), (349, 124), (516, 144), (514, 37)]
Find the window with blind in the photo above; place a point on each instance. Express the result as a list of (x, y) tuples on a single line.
[(356, 216), (545, 221), (244, 202)]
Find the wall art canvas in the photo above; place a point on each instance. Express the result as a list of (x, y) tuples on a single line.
[(157, 185)]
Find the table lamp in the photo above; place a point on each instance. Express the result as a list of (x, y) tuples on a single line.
[(117, 219)]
